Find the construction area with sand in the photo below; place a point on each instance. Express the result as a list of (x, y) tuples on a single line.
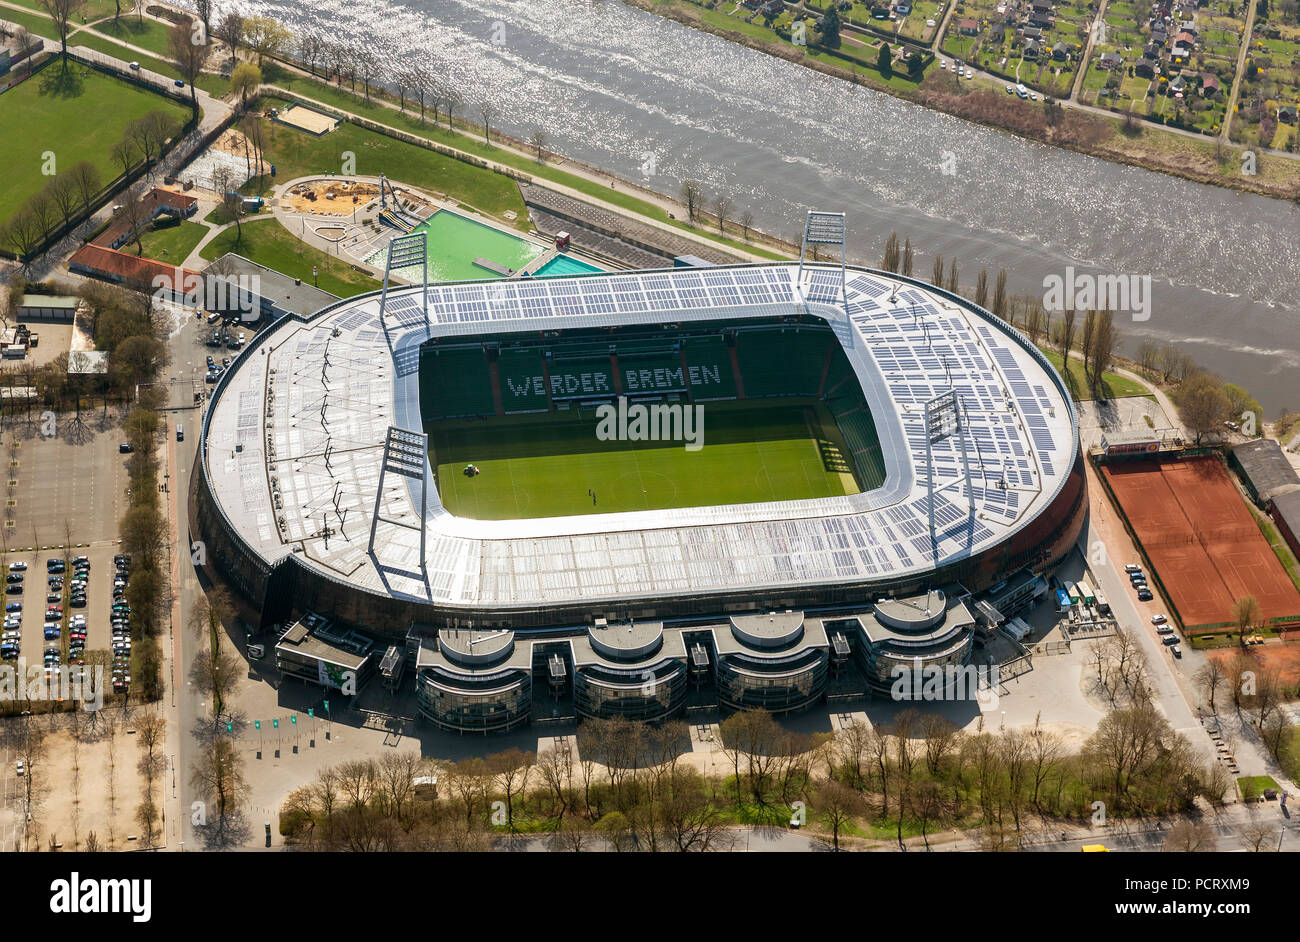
[(328, 197)]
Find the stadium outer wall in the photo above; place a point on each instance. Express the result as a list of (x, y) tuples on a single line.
[(289, 588)]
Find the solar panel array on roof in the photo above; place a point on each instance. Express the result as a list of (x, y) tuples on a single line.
[(905, 345)]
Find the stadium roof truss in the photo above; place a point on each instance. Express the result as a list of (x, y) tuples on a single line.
[(319, 405)]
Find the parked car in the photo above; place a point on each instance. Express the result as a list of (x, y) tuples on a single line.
[(14, 607), (125, 448), (14, 589), (14, 577), (1176, 650), (18, 567), (1144, 594), (1158, 619), (1132, 567)]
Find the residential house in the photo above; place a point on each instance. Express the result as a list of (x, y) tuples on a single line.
[(1288, 114), (1110, 60), (1145, 68), (968, 27), (1032, 49), (1061, 52), (1210, 86)]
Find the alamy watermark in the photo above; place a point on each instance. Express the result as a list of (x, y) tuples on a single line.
[(656, 422), (1082, 292), (23, 684), (232, 294), (945, 682)]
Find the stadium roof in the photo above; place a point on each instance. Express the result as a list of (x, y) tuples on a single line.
[(295, 439)]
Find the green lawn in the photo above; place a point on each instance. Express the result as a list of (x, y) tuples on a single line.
[(1252, 786), (1114, 386), (268, 243), (93, 9), (296, 153), (78, 114), (175, 244), (543, 465), (472, 143), (145, 33)]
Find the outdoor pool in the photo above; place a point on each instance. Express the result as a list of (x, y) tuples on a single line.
[(566, 265), (455, 241)]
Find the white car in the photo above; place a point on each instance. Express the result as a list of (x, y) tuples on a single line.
[(1011, 89), (1158, 619), (943, 63), (21, 768), (1132, 567), (18, 567)]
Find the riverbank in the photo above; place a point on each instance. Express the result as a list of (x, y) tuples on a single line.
[(1082, 129)]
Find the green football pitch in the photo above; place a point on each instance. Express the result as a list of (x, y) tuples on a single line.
[(545, 465), (77, 114)]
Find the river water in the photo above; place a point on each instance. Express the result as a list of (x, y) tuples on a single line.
[(657, 102)]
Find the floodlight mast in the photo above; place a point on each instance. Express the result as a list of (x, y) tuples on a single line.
[(821, 228), (407, 251), (944, 415), (405, 455)]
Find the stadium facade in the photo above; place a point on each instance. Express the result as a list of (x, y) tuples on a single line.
[(316, 493)]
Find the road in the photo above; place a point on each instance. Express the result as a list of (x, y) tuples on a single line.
[(185, 704)]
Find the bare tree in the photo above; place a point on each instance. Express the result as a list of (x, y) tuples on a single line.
[(539, 141), (62, 12), (837, 805), (189, 57), (1190, 836), (692, 194), (230, 30), (487, 110)]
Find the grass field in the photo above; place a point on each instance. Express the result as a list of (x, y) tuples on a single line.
[(268, 243), (544, 465), (1113, 386), (297, 153), (78, 114), (175, 244)]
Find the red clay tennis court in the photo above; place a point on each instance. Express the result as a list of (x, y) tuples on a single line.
[(1201, 538)]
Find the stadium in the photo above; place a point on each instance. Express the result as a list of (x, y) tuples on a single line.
[(422, 465)]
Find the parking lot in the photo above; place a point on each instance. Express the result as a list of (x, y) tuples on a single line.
[(72, 482), (99, 600)]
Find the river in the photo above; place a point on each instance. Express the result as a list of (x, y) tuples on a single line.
[(657, 102)]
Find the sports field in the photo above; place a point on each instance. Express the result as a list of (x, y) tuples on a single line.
[(1201, 539), (546, 465), (78, 115)]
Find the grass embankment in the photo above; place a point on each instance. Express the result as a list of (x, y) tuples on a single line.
[(1113, 385), (296, 153), (466, 139), (268, 243)]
